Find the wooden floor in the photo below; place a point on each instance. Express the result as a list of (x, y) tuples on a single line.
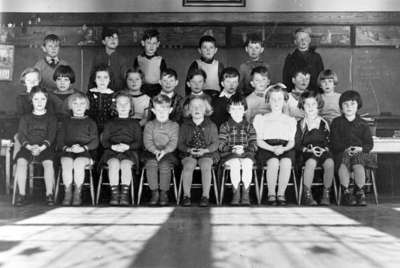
[(36, 236)]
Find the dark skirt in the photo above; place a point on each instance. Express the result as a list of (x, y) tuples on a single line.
[(229, 156), (75, 156), (127, 155), (262, 156), (47, 154), (364, 159)]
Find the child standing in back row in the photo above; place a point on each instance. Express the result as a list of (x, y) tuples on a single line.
[(303, 57), (150, 62), (254, 48), (207, 62), (49, 63), (111, 58)]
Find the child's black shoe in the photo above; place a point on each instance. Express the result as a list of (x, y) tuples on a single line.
[(163, 198), (204, 202), (124, 195), (235, 197), (308, 199), (155, 197), (348, 198), (114, 201), (186, 201), (20, 200), (360, 198), (325, 200), (272, 200), (281, 200), (50, 200)]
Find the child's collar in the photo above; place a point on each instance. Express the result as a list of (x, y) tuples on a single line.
[(107, 91), (209, 61), (149, 57), (170, 95), (225, 94)]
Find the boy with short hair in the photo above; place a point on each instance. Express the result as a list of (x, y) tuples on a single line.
[(160, 138), (327, 80), (230, 83), (207, 62), (254, 47), (303, 57), (168, 82), (260, 81), (49, 63), (111, 58), (301, 82), (150, 62)]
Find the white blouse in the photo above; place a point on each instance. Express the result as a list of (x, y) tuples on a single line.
[(270, 126)]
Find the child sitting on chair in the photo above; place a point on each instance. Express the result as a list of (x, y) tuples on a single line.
[(77, 137), (198, 145), (121, 139), (275, 140), (36, 133), (351, 143), (237, 145), (312, 141), (160, 139)]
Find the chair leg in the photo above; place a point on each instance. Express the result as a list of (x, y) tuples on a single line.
[(174, 185), (133, 190), (295, 185), (14, 191), (214, 178), (374, 186), (335, 190), (99, 187), (92, 188), (301, 187), (180, 190), (221, 195), (57, 186), (263, 174), (31, 173), (140, 186), (255, 178)]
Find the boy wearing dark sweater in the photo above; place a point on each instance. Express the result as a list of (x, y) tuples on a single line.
[(303, 57), (111, 58), (230, 82)]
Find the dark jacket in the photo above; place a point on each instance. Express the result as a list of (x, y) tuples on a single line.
[(210, 131), (310, 61)]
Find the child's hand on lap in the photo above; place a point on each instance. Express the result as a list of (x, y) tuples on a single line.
[(279, 150), (160, 155), (76, 149), (238, 149)]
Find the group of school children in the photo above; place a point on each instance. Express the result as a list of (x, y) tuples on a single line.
[(131, 117)]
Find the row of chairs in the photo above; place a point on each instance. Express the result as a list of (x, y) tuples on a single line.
[(177, 189)]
